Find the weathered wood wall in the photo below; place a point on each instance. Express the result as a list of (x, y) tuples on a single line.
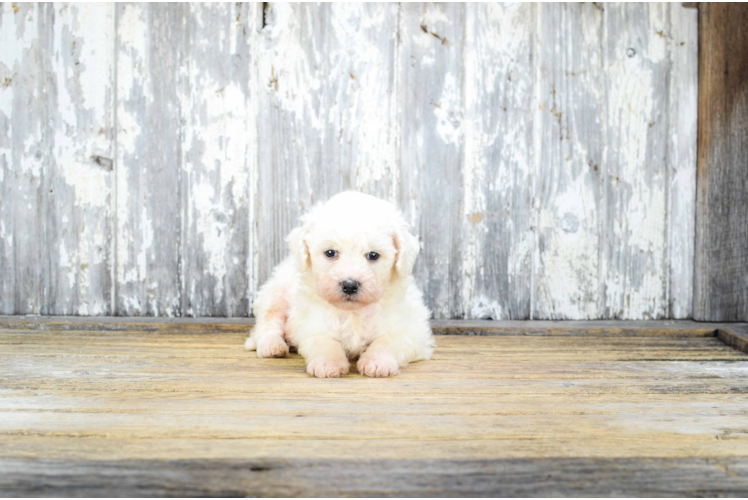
[(153, 157), (721, 289)]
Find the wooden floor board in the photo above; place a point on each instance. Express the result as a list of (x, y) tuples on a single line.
[(394, 478), (180, 409)]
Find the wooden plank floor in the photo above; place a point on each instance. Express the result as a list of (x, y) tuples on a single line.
[(152, 408)]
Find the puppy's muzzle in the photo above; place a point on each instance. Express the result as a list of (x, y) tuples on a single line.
[(350, 287)]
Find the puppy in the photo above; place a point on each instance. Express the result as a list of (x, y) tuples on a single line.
[(346, 292)]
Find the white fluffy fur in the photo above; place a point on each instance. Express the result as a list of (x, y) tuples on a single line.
[(385, 326)]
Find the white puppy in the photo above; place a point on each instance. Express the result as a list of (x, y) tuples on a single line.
[(346, 292)]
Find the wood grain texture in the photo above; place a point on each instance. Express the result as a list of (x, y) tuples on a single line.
[(184, 408), (149, 185), (219, 151), (636, 169), (80, 138), (552, 477), (721, 280), (683, 135), (326, 121), (569, 148), (497, 219), (734, 335), (543, 154), (431, 105), (25, 34)]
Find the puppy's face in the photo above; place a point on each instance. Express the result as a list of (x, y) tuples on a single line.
[(352, 271), (353, 247)]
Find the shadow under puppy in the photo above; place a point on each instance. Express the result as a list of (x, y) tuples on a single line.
[(346, 292)]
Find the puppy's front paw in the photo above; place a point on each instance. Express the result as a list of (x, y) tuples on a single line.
[(381, 364), (271, 346), (324, 367)]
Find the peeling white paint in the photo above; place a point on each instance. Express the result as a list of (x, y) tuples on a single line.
[(132, 43), (637, 273), (7, 238), (4, 157), (82, 65), (361, 74), (497, 127), (614, 233), (92, 26), (289, 74), (485, 308), (89, 182), (433, 20), (218, 161), (15, 37), (252, 255), (682, 116), (33, 155), (657, 50), (448, 111), (630, 101), (146, 238), (473, 175), (211, 231), (570, 144), (66, 265), (131, 67)]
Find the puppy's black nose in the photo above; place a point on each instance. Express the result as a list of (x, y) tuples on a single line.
[(350, 287)]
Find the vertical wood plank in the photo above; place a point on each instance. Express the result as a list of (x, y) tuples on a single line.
[(432, 112), (24, 40), (11, 59), (80, 101), (636, 163), (148, 164), (570, 144), (498, 214), (219, 157), (326, 111), (721, 268), (682, 116)]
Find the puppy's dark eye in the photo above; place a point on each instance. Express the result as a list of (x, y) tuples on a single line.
[(372, 255), (331, 253)]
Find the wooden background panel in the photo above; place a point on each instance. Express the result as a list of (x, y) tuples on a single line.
[(570, 119), (23, 156), (498, 216), (326, 96), (11, 58), (149, 158), (636, 173), (721, 289), (682, 115), (80, 99), (431, 100), (543, 154), (219, 153)]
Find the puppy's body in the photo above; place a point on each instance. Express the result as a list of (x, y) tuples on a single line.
[(307, 304)]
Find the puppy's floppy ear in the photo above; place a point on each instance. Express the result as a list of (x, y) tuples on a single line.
[(298, 246), (407, 248)]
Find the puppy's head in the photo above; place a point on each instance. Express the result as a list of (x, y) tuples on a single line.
[(353, 247)]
